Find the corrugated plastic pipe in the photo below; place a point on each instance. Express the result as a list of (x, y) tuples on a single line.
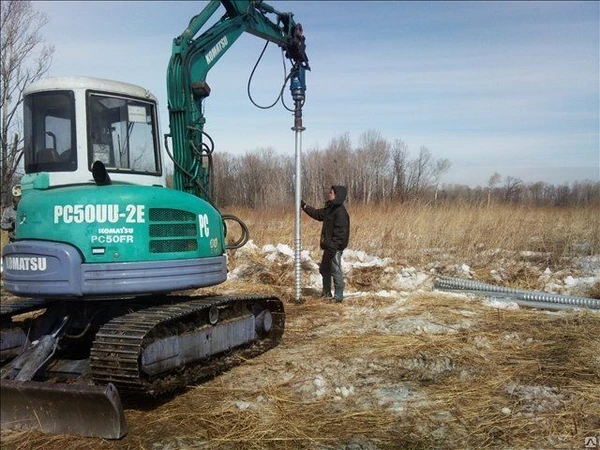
[(449, 283)]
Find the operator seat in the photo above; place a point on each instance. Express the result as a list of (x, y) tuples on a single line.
[(47, 155)]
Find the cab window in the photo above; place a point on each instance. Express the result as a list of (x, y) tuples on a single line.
[(49, 132), (122, 134)]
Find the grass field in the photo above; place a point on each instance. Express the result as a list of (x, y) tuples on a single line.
[(410, 232), (522, 241), (415, 369)]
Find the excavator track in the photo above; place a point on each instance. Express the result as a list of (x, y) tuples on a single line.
[(123, 344), (141, 350)]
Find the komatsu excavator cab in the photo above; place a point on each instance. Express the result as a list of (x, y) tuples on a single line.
[(70, 123)]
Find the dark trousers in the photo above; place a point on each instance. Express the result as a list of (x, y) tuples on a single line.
[(331, 267)]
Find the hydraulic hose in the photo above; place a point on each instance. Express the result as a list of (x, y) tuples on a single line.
[(245, 233), (527, 297)]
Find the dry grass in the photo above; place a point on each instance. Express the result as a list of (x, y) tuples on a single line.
[(522, 241), (428, 370), (492, 380), (418, 233)]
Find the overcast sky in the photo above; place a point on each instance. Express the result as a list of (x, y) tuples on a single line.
[(507, 87)]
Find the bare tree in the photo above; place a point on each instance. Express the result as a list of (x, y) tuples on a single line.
[(377, 155), (313, 176), (492, 182), (337, 163), (224, 181), (512, 189), (399, 163), (24, 58), (535, 192), (439, 170), (419, 173), (374, 172)]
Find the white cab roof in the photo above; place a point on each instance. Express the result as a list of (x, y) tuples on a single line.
[(99, 84)]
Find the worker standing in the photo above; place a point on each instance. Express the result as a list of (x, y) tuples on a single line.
[(9, 215), (335, 234)]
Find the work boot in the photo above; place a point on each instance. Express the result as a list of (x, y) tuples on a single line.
[(339, 295)]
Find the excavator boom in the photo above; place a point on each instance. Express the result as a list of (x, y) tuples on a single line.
[(192, 58)]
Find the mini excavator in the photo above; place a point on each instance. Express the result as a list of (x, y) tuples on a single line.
[(105, 254)]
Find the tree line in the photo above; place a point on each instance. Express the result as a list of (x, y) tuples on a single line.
[(375, 171)]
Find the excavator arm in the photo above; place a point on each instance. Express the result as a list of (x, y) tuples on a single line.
[(193, 56)]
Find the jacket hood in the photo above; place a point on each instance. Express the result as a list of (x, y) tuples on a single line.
[(340, 194)]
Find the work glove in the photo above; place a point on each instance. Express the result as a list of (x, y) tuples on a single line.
[(302, 204)]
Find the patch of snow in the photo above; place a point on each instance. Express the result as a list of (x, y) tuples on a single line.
[(242, 406), (501, 304), (552, 287), (343, 392), (386, 294), (420, 325), (283, 252), (590, 264), (533, 256), (482, 342), (427, 367), (249, 247), (238, 272), (409, 279), (320, 384), (497, 275), (512, 337), (315, 281), (393, 397), (358, 258), (570, 285), (572, 282), (466, 270), (536, 399), (277, 251)]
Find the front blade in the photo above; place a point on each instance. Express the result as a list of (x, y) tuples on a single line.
[(56, 408)]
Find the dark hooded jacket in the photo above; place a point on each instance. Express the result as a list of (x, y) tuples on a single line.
[(335, 232)]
